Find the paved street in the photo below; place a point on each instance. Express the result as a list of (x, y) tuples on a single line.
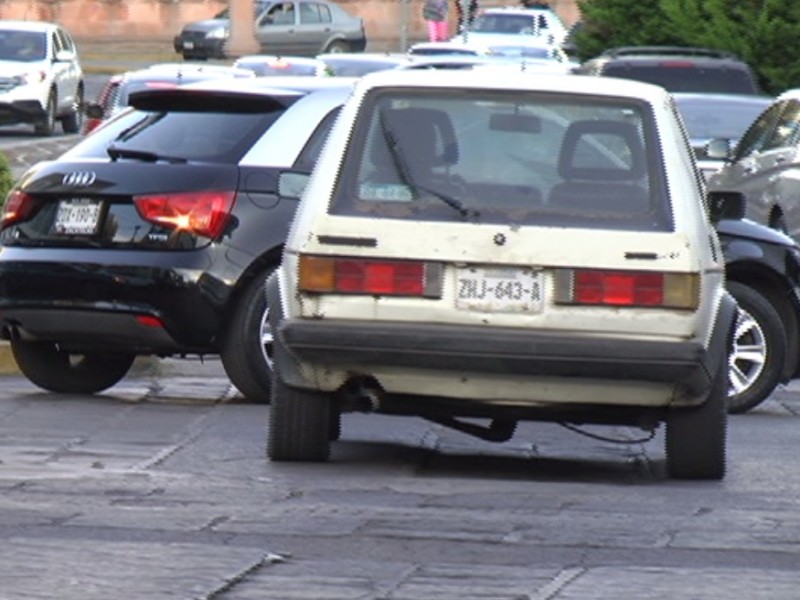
[(160, 489)]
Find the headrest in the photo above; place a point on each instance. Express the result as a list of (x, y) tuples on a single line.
[(573, 160), (425, 136)]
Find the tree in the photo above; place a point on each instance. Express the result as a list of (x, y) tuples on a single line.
[(763, 33), (6, 179)]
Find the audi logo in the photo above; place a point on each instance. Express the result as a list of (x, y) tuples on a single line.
[(79, 178)]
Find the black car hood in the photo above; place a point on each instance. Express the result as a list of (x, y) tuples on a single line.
[(205, 26), (744, 228)]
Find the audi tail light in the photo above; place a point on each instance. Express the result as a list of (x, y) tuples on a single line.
[(203, 213), (627, 288), (18, 207), (377, 277)]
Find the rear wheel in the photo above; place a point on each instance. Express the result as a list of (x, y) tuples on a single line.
[(47, 124), (759, 346), (300, 424), (247, 348), (696, 436), (336, 47), (52, 369)]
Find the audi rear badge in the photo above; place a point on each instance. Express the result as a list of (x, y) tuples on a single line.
[(79, 178)]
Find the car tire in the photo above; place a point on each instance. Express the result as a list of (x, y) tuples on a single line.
[(47, 124), (300, 424), (759, 346), (247, 344), (695, 438), (69, 373), (337, 47), (73, 121)]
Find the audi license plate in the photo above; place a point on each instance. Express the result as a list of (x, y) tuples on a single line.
[(499, 289), (77, 216), (188, 45)]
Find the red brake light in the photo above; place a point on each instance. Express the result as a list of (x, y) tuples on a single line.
[(18, 207), (203, 213), (619, 288), (369, 276)]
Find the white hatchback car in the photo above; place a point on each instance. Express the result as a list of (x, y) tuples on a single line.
[(504, 249), (41, 79)]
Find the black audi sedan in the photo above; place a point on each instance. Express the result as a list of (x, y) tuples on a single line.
[(154, 235)]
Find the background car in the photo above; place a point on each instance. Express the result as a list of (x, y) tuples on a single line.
[(717, 116), (113, 96), (41, 79), (267, 65), (514, 25), (292, 27), (154, 235), (678, 69), (356, 64)]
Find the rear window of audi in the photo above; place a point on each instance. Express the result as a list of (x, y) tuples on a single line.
[(219, 136), (687, 76)]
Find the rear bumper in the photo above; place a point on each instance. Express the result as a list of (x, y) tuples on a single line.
[(481, 350)]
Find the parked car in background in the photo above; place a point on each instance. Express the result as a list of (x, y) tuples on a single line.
[(155, 234), (678, 69), (356, 64), (514, 25), (764, 165), (41, 78), (268, 65), (717, 116), (114, 94), (447, 49), (292, 27), (504, 249)]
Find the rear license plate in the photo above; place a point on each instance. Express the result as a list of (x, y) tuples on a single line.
[(499, 289), (79, 216), (188, 45)]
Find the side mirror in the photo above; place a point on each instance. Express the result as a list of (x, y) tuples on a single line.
[(725, 205), (64, 56), (93, 111), (292, 184), (718, 149)]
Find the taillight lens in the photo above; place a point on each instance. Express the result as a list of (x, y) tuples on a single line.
[(18, 207), (627, 288), (369, 276), (203, 213)]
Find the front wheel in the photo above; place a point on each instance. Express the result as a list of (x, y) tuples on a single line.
[(247, 346), (47, 124), (759, 346), (696, 437), (55, 370)]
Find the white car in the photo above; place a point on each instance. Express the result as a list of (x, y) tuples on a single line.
[(500, 249), (512, 25), (41, 80)]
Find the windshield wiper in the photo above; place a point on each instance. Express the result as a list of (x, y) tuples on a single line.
[(116, 153), (405, 175)]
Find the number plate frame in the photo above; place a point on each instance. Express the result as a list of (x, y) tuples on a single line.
[(499, 289), (78, 216)]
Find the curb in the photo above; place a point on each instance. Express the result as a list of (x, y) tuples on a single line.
[(8, 365)]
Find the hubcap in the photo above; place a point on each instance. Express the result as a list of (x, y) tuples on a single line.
[(749, 354), (267, 339)]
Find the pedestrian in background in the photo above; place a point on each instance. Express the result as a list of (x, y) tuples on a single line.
[(465, 19), (435, 14)]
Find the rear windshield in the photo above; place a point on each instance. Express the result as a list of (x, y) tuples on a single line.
[(682, 76), (219, 137), (501, 157)]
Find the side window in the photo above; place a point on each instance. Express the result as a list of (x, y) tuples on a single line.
[(787, 128), (754, 138), (325, 14), (309, 13), (311, 151), (56, 43)]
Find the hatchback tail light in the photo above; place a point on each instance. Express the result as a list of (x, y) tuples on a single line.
[(18, 207), (627, 288), (203, 213), (375, 277)]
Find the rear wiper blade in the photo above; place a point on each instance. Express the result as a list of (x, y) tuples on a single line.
[(116, 153), (405, 174)]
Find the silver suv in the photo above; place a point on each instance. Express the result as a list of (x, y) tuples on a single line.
[(41, 80), (504, 249)]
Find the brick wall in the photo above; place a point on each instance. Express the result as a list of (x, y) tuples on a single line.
[(140, 19)]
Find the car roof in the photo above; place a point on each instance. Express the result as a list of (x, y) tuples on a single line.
[(499, 80), (171, 71), (19, 25), (267, 85)]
